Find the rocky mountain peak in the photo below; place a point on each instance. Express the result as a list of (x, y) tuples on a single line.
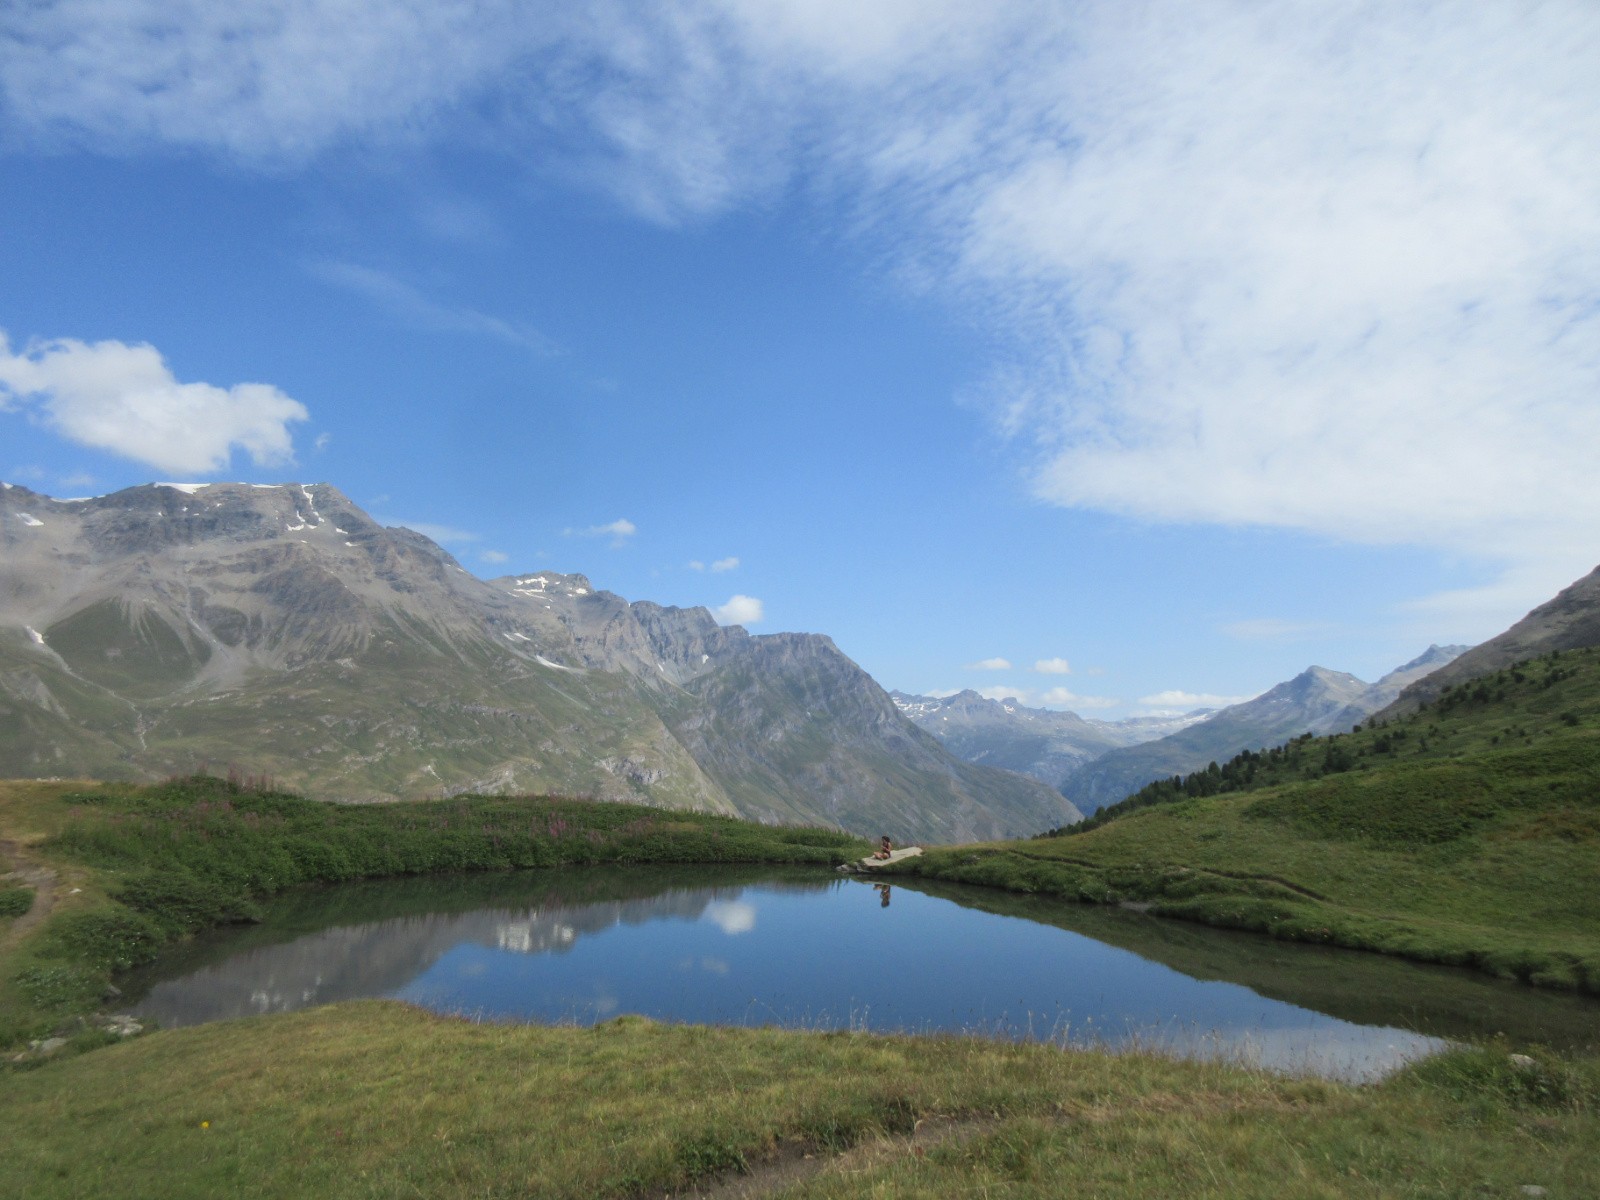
[(280, 628)]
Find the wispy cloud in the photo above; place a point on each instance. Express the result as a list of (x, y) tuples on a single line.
[(494, 556), (619, 531), (1275, 629), (1053, 666), (125, 399), (990, 664), (1176, 698), (406, 303), (1323, 267), (720, 565)]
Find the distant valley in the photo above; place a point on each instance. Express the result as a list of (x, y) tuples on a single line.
[(1096, 763)]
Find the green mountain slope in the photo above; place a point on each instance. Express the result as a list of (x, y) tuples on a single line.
[(1465, 833), (1569, 621), (281, 631)]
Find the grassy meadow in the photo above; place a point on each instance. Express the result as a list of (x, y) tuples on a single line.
[(138, 868), (1478, 848), (377, 1099), (1467, 833)]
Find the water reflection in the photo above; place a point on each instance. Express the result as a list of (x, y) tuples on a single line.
[(808, 951)]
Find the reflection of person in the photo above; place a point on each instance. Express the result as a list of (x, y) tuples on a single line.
[(883, 894), (884, 849)]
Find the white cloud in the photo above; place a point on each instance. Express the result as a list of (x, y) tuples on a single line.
[(725, 564), (739, 610), (1182, 701), (1020, 695), (733, 917), (1056, 697), (696, 565), (409, 305), (1053, 666), (619, 531), (125, 399), (1060, 697), (494, 556), (321, 444), (1324, 267), (264, 80), (1274, 629), (990, 664)]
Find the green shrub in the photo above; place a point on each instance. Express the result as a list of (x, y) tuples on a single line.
[(108, 939), (15, 901), (1537, 1079)]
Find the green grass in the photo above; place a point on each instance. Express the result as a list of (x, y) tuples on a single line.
[(377, 1099), (15, 901), (1521, 706), (155, 864), (1442, 838)]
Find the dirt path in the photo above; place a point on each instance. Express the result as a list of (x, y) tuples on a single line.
[(798, 1162), (21, 869)]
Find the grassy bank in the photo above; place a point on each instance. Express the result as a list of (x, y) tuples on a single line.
[(1467, 834), (376, 1099), (138, 868)]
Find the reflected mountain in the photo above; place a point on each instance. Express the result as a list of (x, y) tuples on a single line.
[(321, 946), (806, 949)]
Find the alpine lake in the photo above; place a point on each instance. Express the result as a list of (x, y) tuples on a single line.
[(810, 949)]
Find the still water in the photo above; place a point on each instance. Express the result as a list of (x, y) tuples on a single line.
[(815, 951)]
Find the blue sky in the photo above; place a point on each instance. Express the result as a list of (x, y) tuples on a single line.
[(1156, 351)]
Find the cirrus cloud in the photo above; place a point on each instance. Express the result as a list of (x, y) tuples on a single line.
[(990, 664), (619, 531), (1176, 698), (1327, 267)]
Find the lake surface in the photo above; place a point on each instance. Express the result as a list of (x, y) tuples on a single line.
[(808, 950)]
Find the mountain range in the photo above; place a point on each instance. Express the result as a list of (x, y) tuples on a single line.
[(1315, 701), (1096, 763), (1040, 742), (282, 630)]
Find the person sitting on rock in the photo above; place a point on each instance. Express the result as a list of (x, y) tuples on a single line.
[(884, 849)]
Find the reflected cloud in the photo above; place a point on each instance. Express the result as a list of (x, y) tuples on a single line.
[(731, 916)]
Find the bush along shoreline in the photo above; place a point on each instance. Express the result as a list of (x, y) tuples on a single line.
[(167, 861)]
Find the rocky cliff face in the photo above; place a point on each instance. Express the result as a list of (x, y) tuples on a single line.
[(1315, 701), (1567, 622), (281, 630)]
